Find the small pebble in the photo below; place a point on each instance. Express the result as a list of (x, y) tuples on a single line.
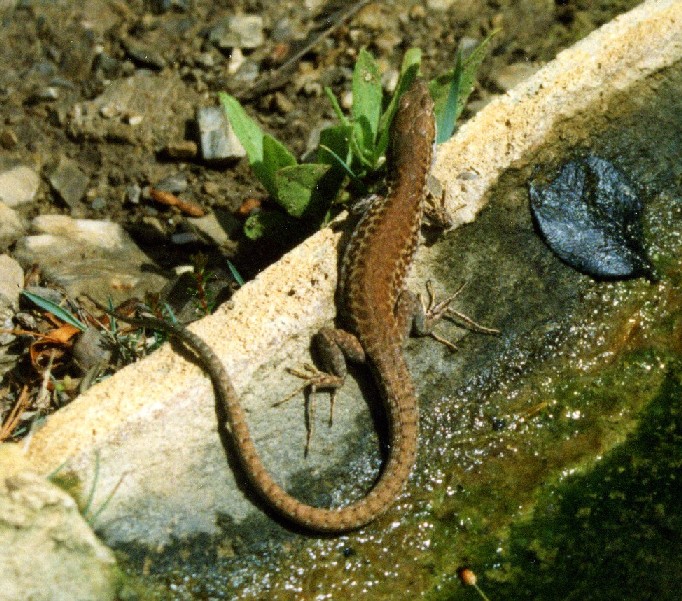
[(12, 227), (18, 186), (386, 42), (211, 188), (238, 31), (185, 149), (282, 31), (47, 94), (107, 66), (8, 139), (175, 183), (218, 141), (91, 349), (11, 282), (236, 61), (69, 182), (283, 104), (248, 72), (143, 56), (133, 193), (371, 16), (109, 111), (98, 204), (134, 119)]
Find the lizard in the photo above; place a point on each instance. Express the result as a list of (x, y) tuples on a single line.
[(378, 313)]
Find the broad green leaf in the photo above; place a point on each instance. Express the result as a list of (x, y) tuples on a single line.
[(299, 186), (409, 70), (270, 224), (367, 95), (334, 150), (266, 155), (334, 146), (246, 129), (56, 310), (275, 156), (364, 137)]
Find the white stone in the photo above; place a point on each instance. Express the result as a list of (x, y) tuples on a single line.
[(49, 552), (238, 31), (218, 140), (88, 256), (11, 281), (18, 186), (11, 226)]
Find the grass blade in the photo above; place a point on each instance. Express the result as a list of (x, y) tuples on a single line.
[(56, 310)]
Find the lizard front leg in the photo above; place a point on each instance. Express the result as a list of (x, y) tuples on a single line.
[(416, 318)]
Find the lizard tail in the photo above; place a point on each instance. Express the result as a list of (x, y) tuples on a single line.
[(403, 420)]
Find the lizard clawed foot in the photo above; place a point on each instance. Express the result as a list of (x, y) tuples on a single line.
[(434, 311), (313, 380)]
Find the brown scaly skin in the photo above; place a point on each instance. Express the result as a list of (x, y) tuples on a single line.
[(377, 313)]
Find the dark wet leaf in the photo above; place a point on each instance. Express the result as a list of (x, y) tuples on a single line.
[(590, 216)]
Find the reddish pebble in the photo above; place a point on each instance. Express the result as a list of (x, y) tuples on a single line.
[(467, 576)]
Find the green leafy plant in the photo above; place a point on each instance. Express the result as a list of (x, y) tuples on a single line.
[(352, 150), (297, 188), (451, 90), (365, 134)]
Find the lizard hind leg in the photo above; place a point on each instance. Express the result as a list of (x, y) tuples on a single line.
[(332, 347)]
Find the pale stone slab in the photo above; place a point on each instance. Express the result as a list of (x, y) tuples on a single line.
[(88, 256), (49, 552)]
